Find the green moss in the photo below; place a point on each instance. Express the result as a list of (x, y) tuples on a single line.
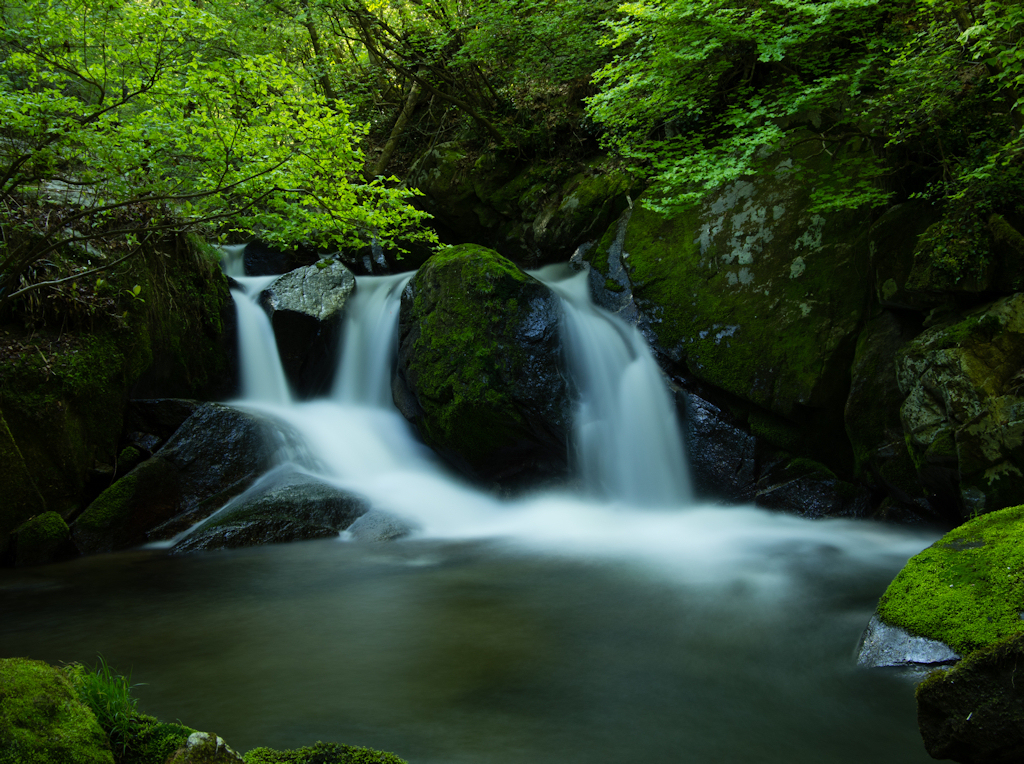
[(777, 431), (967, 589), (468, 300), (112, 507), (322, 753), (42, 721), (40, 538)]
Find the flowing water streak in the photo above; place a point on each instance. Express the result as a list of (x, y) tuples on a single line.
[(261, 374), (628, 446)]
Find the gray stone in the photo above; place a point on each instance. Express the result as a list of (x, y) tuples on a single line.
[(883, 645), (376, 525)]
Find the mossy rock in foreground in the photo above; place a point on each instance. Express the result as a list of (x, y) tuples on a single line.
[(42, 721), (974, 712), (322, 753), (966, 589)]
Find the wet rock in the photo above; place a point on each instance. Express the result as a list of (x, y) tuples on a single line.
[(42, 720), (872, 413), (215, 455), (964, 413), (974, 713), (721, 455), (204, 748), (479, 367), (157, 417), (809, 489), (379, 526), (885, 646), (306, 307), (262, 259), (279, 508)]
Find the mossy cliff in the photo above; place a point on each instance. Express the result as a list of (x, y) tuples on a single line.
[(479, 366), (71, 357)]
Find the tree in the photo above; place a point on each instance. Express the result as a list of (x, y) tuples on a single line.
[(126, 119)]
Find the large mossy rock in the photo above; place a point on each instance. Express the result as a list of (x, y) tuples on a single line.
[(322, 753), (306, 307), (479, 367), (63, 387), (974, 712), (966, 589), (42, 720), (964, 411), (293, 507), (215, 455), (753, 293)]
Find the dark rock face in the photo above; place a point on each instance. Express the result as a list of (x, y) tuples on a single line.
[(291, 507), (809, 489), (306, 307), (974, 713), (215, 455), (964, 408), (262, 259), (479, 367), (722, 456)]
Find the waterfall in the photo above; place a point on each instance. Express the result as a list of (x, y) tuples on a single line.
[(627, 442), (261, 373)]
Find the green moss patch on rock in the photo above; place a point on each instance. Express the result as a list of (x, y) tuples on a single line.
[(322, 753), (967, 589), (42, 721), (479, 364), (753, 293), (42, 539), (964, 411)]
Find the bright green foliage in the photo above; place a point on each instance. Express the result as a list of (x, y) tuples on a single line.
[(147, 111), (322, 753), (967, 589), (109, 695), (704, 91)]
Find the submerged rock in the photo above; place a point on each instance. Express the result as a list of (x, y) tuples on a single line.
[(42, 721), (479, 367), (291, 507), (306, 307)]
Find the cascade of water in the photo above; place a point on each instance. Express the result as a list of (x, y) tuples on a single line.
[(368, 342), (261, 374), (627, 441)]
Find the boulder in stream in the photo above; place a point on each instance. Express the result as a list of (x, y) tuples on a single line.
[(280, 507), (306, 307), (479, 367), (216, 454)]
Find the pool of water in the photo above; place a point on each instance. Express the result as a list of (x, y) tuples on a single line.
[(487, 652)]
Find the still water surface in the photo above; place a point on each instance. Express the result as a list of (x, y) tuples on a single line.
[(484, 652)]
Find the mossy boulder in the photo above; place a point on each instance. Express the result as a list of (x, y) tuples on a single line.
[(966, 589), (21, 497), (306, 307), (974, 712), (215, 455), (42, 720), (42, 539), (322, 753), (479, 366), (964, 415), (750, 291), (204, 748)]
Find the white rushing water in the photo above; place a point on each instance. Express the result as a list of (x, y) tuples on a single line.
[(628, 449)]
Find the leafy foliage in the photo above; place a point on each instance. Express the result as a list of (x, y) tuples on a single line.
[(112, 104), (109, 695)]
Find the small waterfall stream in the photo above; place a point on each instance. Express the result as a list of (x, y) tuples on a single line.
[(628, 624)]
